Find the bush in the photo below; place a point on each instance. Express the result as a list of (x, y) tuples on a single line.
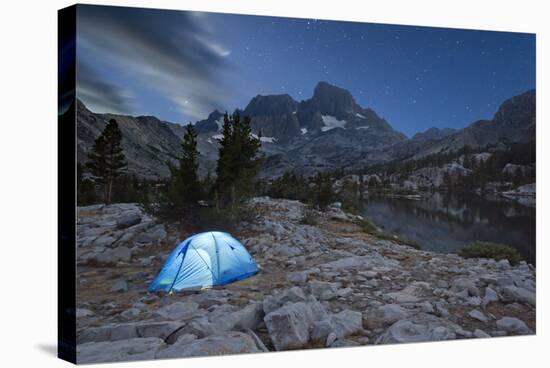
[(398, 240), (367, 226), (310, 218), (481, 249)]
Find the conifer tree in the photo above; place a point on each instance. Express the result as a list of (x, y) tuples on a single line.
[(106, 160), (186, 177), (238, 161)]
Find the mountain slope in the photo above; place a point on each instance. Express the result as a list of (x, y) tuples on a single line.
[(326, 132), (148, 143), (514, 122)]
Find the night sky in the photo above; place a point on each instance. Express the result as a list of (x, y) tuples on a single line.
[(180, 66)]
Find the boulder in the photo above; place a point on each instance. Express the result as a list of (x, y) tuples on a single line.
[(318, 288), (385, 315), (128, 220), (342, 324), (230, 342), (490, 296), (288, 326), (273, 302), (422, 327), (513, 325), (199, 327), (299, 277), (247, 318), (513, 293), (118, 351)]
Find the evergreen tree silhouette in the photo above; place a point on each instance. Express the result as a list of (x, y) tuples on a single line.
[(106, 160)]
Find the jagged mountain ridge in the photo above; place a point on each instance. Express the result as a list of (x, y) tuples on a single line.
[(326, 132)]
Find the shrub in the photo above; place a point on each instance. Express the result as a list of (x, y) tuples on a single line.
[(482, 249), (367, 226), (398, 240), (310, 218)]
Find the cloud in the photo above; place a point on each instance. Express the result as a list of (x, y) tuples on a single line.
[(100, 95), (173, 53)]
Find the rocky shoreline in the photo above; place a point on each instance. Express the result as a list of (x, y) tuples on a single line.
[(323, 285)]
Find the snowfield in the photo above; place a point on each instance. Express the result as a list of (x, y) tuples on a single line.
[(268, 139), (331, 122)]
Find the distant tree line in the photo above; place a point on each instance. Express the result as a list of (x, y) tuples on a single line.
[(483, 171)]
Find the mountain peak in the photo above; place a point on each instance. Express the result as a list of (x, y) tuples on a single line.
[(332, 100), (271, 105)]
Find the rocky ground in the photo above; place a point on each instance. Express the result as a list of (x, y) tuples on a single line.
[(324, 285)]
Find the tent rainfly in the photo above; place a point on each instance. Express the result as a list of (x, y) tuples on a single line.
[(205, 260)]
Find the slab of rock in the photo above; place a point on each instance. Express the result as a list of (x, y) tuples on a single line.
[(517, 294), (476, 314), (231, 342), (422, 327), (513, 325), (118, 351), (111, 256), (342, 324), (129, 330), (178, 311), (128, 220), (385, 315), (490, 296), (319, 288), (247, 318)]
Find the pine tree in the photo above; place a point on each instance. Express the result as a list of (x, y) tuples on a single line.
[(186, 178), (106, 160), (238, 161)]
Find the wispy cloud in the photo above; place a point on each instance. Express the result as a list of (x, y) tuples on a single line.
[(173, 53)]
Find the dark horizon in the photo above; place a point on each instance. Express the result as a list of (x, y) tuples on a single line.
[(179, 66)]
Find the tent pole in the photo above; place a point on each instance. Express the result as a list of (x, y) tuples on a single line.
[(179, 269)]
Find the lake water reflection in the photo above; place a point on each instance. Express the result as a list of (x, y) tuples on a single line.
[(444, 222)]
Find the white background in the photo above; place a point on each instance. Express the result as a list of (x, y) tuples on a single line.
[(28, 141)]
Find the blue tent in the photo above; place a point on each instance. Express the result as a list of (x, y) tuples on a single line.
[(204, 260)]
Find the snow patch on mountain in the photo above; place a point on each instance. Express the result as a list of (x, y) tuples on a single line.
[(359, 116), (268, 139), (304, 131), (331, 122)]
